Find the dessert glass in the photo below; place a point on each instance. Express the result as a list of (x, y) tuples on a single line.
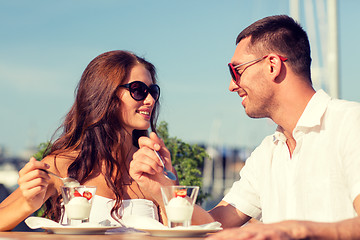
[(179, 204), (78, 201)]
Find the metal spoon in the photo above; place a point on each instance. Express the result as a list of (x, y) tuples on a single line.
[(166, 172), (67, 181)]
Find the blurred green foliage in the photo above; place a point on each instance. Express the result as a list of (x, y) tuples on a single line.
[(42, 150), (186, 158)]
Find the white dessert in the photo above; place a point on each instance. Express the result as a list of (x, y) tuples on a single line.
[(78, 208), (71, 184), (179, 210)]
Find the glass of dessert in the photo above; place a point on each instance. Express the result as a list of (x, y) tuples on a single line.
[(179, 204), (77, 202)]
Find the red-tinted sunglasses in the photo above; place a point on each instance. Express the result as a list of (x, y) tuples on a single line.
[(235, 75)]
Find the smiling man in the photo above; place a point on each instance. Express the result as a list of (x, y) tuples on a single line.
[(303, 180)]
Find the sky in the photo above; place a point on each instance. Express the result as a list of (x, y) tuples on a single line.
[(45, 46)]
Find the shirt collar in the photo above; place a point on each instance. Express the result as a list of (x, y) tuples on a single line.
[(314, 110), (279, 135), (311, 116)]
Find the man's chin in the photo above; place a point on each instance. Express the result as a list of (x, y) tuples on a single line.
[(253, 114)]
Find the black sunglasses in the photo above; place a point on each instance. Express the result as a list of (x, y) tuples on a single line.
[(139, 90)]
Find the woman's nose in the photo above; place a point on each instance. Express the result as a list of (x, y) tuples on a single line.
[(149, 100)]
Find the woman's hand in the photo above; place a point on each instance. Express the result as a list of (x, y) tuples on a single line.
[(33, 183), (146, 169)]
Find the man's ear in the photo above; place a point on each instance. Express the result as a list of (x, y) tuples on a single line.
[(275, 66)]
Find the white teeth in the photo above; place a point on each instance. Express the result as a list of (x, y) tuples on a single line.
[(143, 112)]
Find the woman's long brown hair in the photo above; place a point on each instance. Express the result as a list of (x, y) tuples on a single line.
[(94, 129)]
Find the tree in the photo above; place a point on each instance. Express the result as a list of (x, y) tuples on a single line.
[(42, 150), (187, 160)]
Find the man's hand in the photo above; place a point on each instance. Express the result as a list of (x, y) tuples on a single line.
[(281, 230)]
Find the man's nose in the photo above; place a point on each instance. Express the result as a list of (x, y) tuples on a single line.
[(233, 87)]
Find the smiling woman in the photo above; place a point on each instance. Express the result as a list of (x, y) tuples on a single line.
[(116, 103), (137, 114)]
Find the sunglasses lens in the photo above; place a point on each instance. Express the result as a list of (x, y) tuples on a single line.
[(233, 72), (138, 90), (155, 91)]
